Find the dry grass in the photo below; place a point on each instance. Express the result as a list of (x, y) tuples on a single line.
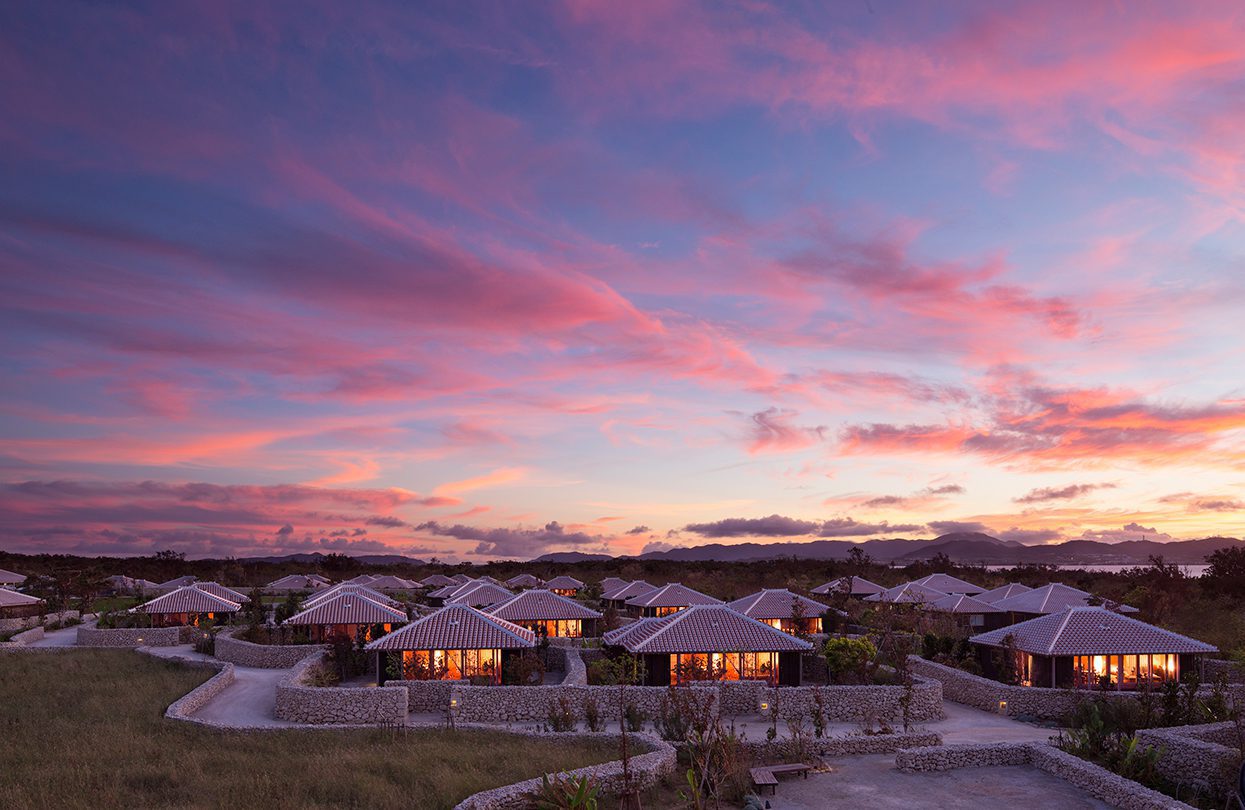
[(85, 729)]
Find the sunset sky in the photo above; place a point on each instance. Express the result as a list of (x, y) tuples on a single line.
[(486, 280)]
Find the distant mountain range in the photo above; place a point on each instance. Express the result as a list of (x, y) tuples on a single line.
[(315, 557), (961, 547)]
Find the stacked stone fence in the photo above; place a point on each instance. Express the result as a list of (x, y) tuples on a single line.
[(569, 661), (1100, 783), (1037, 702), (846, 745), (37, 620), (26, 636), (1214, 668), (1207, 757), (135, 636), (263, 656), (655, 759), (509, 704), (188, 704), (335, 705)]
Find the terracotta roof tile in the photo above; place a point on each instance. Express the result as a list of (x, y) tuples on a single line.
[(564, 583), (348, 608), (479, 594), (672, 595), (216, 589), (909, 592), (949, 584), (706, 628), (1052, 598), (776, 603), (962, 603), (1091, 631), (337, 590), (391, 583), (436, 581), (11, 577), (189, 599), (523, 581), (628, 590), (10, 598), (456, 627), (1003, 592), (860, 587), (540, 605)]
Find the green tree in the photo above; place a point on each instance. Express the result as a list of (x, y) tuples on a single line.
[(848, 657)]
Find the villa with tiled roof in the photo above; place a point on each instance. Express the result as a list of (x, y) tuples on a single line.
[(436, 581), (711, 642), (949, 584), (547, 613), (1053, 598), (343, 588), (523, 581), (617, 597), (780, 608), (297, 582), (668, 599), (908, 593), (14, 605), (1088, 646), (216, 589), (1003, 592), (454, 643), (970, 612), (564, 585), (478, 594), (857, 587), (11, 579), (187, 605), (349, 615)]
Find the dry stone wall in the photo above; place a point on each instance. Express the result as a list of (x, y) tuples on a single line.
[(842, 746), (1231, 671), (1100, 783), (185, 707), (263, 656), (333, 705), (131, 637), (1207, 757), (645, 769), (24, 622), (424, 697)]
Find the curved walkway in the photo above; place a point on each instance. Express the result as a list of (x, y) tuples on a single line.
[(248, 702), (65, 637)]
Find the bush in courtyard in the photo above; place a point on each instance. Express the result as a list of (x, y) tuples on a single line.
[(561, 716), (635, 717), (524, 670), (848, 659), (619, 669), (563, 792), (592, 715), (205, 638)]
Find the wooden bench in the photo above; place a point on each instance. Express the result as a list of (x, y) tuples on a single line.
[(767, 777), (764, 778)]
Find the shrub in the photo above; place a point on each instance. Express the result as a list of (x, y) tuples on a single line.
[(635, 717), (849, 658), (592, 715), (563, 792), (561, 716)]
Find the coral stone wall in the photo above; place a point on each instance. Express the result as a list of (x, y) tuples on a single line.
[(332, 705), (424, 697), (1100, 783), (1207, 756), (131, 637), (569, 661), (842, 746), (23, 622), (1212, 668), (197, 698), (263, 656), (655, 758), (509, 704)]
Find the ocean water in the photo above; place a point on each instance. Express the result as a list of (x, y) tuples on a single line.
[(1189, 570)]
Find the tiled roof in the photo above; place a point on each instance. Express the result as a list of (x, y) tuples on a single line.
[(436, 581), (488, 579), (337, 590), (634, 632), (217, 589), (564, 583), (296, 582), (860, 587), (479, 594), (391, 583), (672, 595), (1053, 598), (1003, 592), (320, 579), (362, 579), (612, 584), (523, 581), (457, 627), (949, 584), (1091, 631), (461, 579), (445, 591), (14, 599), (189, 600), (11, 577), (776, 604), (962, 603), (708, 628), (177, 582), (909, 592), (348, 608), (540, 605), (628, 590)]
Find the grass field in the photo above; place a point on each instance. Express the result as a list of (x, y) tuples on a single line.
[(85, 729)]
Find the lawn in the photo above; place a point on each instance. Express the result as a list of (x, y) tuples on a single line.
[(86, 729)]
